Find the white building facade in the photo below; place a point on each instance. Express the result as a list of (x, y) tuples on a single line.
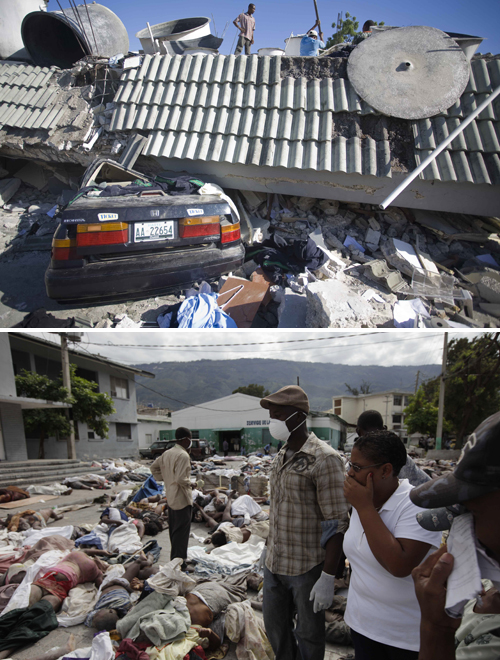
[(239, 419), (389, 404)]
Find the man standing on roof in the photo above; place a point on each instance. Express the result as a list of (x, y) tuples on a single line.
[(245, 23), (310, 44), (173, 467), (307, 521)]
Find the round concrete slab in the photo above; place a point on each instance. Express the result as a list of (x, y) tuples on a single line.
[(409, 73)]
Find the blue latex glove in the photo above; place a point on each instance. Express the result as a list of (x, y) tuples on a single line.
[(323, 591)]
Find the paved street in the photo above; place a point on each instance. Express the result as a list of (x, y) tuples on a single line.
[(91, 514)]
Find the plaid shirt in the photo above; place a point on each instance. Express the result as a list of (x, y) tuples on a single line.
[(305, 491)]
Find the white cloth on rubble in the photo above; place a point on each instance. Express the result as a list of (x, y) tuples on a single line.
[(121, 498), (53, 489), (245, 504), (123, 538), (230, 559), (170, 580), (101, 649), (31, 536), (243, 627), (44, 563), (10, 542), (75, 608)]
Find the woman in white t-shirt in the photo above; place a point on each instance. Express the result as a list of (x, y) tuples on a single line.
[(383, 544)]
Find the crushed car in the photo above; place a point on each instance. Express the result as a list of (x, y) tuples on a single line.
[(129, 236)]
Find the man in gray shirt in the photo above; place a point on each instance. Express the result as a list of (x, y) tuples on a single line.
[(245, 23)]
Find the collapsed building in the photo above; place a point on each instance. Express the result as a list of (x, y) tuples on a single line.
[(299, 148)]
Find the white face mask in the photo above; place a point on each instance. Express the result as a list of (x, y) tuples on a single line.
[(279, 430)]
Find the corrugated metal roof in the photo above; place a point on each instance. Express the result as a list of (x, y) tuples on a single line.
[(30, 97), (239, 110), (474, 155)]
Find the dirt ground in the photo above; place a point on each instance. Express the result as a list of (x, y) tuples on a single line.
[(83, 635)]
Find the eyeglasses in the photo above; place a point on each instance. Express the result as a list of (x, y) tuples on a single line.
[(358, 468)]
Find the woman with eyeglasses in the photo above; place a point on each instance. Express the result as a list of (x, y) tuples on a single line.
[(383, 544)]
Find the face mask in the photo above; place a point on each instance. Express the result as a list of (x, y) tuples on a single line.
[(279, 430), (190, 443)]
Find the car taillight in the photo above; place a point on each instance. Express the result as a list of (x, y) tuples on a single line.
[(202, 226), (110, 233), (64, 249), (230, 233)]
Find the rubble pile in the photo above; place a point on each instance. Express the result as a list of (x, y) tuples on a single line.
[(338, 264), (395, 267)]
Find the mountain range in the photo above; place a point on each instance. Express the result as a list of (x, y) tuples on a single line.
[(181, 384)]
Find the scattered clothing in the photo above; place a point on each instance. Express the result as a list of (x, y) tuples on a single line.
[(28, 624)]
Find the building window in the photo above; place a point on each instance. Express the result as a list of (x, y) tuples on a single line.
[(396, 427), (195, 435), (88, 375), (337, 406), (149, 439), (20, 361), (396, 419), (93, 437), (119, 388), (398, 400), (123, 431), (407, 400), (50, 368)]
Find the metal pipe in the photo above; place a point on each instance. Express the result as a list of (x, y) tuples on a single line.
[(153, 42), (388, 200)]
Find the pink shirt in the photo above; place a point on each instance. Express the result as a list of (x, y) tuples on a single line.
[(247, 23)]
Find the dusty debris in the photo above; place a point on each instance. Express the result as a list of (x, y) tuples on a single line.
[(373, 260)]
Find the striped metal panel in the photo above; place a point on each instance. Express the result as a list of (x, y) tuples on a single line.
[(29, 97), (474, 155), (239, 110)]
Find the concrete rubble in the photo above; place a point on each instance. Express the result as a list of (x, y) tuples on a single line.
[(374, 259)]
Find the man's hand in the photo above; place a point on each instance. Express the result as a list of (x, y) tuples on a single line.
[(430, 586), (323, 591), (360, 497)]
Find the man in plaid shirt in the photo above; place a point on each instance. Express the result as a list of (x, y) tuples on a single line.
[(307, 520)]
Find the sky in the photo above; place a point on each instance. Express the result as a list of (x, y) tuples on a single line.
[(385, 348), (277, 19)]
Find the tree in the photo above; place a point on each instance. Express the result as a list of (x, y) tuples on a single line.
[(472, 389), (252, 390), (347, 30), (364, 388), (472, 382), (421, 414), (89, 406)]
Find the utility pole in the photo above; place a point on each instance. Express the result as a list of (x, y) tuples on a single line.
[(298, 382), (387, 399), (416, 382), (439, 430), (65, 337)]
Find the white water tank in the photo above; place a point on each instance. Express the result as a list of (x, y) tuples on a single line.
[(271, 51), (292, 48), (11, 16)]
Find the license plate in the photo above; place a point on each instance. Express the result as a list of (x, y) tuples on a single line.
[(161, 230)]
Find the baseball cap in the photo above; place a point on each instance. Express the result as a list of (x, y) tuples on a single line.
[(291, 395), (477, 472), (312, 32)]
